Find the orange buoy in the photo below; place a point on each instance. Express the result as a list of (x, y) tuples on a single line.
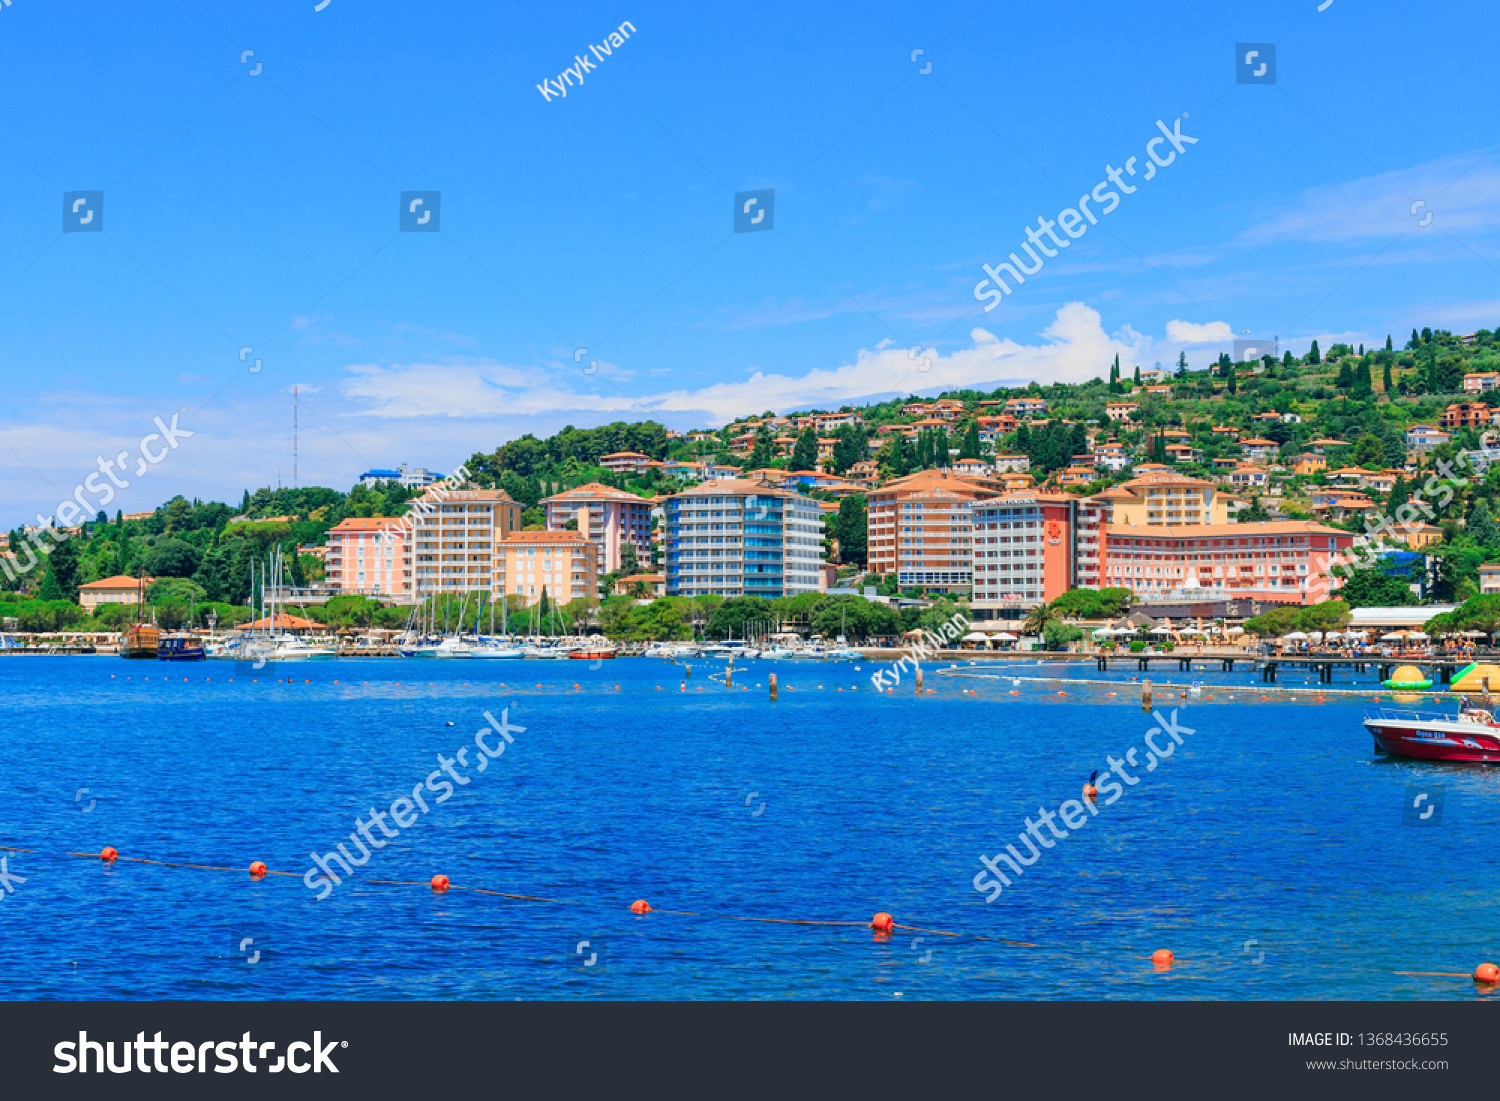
[(1487, 973), (882, 922), (1161, 955), (108, 854), (1090, 791), (439, 883), (257, 869), (640, 906)]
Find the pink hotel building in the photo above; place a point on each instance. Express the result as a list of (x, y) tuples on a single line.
[(607, 517), (368, 555), (1283, 561)]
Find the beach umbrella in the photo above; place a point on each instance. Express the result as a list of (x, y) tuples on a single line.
[(1316, 636), (1234, 630), (1161, 630), (1191, 631), (1415, 634), (1295, 636), (1471, 634), (975, 636), (1005, 636), (1394, 636)]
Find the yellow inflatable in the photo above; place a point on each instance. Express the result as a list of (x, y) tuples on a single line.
[(1472, 679)]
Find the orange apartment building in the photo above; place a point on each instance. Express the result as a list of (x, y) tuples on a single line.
[(563, 563), (919, 528)]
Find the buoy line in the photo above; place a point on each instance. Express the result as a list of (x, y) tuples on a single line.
[(1486, 975), (1261, 689)]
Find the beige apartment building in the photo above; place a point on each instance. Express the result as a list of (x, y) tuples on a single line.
[(454, 536), (610, 518), (563, 563), (1159, 497)]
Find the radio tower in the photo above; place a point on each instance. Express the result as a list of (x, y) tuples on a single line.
[(294, 437)]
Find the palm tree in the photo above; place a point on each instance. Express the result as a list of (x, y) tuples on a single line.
[(1038, 618)]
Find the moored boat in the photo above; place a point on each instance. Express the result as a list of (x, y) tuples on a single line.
[(1472, 735), (180, 648), (141, 640)]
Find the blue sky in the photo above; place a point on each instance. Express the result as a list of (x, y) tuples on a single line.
[(261, 211)]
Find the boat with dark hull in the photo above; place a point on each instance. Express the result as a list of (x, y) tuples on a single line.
[(180, 648)]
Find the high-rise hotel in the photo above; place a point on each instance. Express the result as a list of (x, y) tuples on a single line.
[(741, 538)]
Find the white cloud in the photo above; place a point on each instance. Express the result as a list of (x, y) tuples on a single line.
[(1074, 348), (1189, 332), (1459, 192)]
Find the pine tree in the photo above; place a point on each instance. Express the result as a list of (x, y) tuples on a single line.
[(900, 462), (1400, 494), (1137, 374), (805, 451), (1415, 339), (1181, 364), (760, 454), (1388, 342), (970, 448), (1364, 386), (940, 449), (1313, 355), (1481, 525), (1385, 376)]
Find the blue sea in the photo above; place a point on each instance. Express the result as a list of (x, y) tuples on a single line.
[(1273, 853)]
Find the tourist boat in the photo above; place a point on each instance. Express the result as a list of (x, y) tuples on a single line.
[(1472, 735), (180, 648), (846, 653), (141, 640), (778, 651)]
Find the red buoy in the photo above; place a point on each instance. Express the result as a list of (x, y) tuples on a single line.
[(439, 883), (257, 869), (1487, 973), (1161, 955), (108, 854), (882, 922), (640, 906), (1090, 791)]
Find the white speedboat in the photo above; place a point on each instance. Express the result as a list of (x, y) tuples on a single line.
[(778, 652), (496, 650), (284, 648)]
